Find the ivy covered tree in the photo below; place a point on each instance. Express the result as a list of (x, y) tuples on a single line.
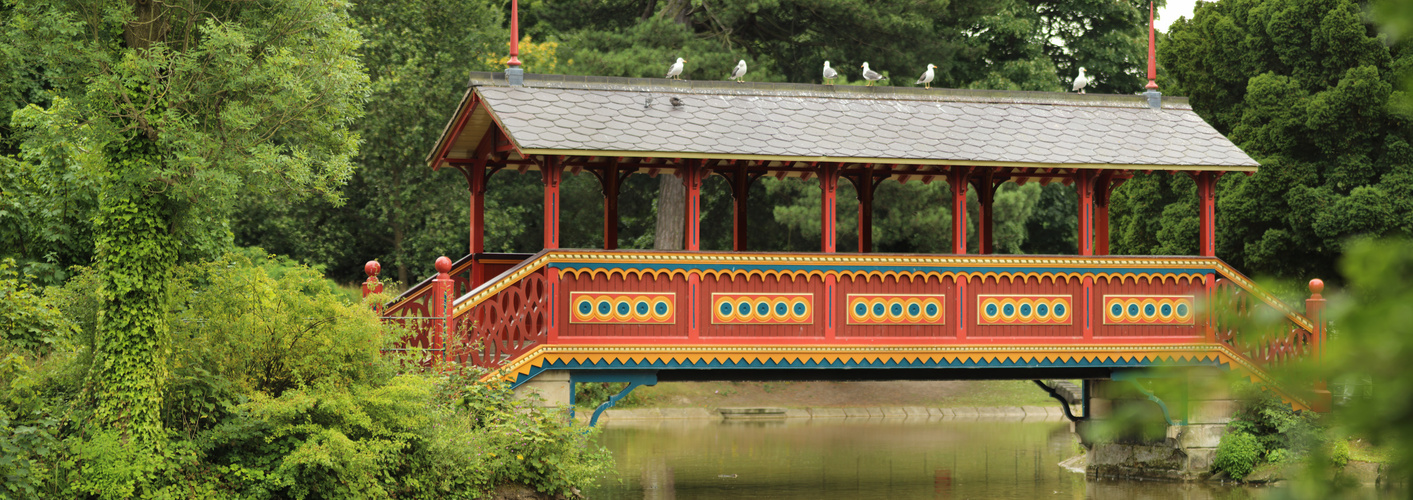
[(1308, 89), (179, 109)]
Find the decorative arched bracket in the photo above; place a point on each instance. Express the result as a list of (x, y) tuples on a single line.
[(634, 379), (1064, 403)]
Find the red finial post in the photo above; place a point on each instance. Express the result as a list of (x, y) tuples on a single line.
[(1152, 53), (443, 317), (514, 61), (371, 285), (1315, 312)]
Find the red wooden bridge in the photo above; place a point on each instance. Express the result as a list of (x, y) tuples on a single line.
[(739, 314)]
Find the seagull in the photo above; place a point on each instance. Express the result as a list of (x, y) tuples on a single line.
[(926, 78), (675, 71), (871, 75), (676, 103), (740, 71), (1080, 81), (829, 73)]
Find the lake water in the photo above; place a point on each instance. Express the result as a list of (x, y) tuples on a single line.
[(862, 459)]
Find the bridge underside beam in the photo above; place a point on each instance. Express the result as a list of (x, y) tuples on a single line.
[(866, 375)]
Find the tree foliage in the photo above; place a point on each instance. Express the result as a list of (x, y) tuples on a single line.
[(1305, 88), (398, 212), (179, 107), (1013, 44)]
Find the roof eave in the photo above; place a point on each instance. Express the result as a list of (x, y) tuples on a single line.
[(910, 161)]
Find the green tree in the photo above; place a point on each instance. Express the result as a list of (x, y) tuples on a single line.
[(1305, 88), (1012, 44), (184, 107), (417, 54)]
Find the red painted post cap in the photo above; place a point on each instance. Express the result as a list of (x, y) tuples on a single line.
[(1317, 286), (443, 264), (372, 268)]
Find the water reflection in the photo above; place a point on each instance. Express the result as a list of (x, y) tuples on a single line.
[(860, 458)]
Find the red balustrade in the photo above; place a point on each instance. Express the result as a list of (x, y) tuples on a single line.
[(609, 298)]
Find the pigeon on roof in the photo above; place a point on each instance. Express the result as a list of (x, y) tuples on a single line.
[(740, 71), (1080, 82), (829, 73), (871, 75), (676, 70), (926, 78)]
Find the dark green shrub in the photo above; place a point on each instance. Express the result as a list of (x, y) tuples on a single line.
[(1275, 424), (276, 389), (1237, 454)]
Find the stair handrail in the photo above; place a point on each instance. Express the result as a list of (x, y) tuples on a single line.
[(505, 279), (1255, 290)]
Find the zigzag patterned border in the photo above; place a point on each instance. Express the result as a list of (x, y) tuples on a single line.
[(572, 357)]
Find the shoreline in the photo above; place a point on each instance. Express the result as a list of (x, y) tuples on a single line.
[(995, 413)]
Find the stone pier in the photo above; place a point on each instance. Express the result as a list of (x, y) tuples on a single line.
[(1123, 432), (552, 386)]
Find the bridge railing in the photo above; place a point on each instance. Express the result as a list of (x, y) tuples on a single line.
[(592, 297), (1260, 327)]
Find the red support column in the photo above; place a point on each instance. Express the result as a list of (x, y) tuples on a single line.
[(694, 309), (692, 176), (957, 177), (828, 206), (1207, 214), (443, 322), (550, 173), (831, 280), (476, 184), (1315, 312), (985, 220), (740, 190), (1103, 187), (609, 181), (865, 187), (1084, 186)]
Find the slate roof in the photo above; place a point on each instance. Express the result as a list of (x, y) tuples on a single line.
[(555, 114)]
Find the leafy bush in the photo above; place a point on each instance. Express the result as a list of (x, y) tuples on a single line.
[(1339, 453), (31, 323), (1278, 455), (1275, 425), (276, 390), (270, 326), (1237, 454)]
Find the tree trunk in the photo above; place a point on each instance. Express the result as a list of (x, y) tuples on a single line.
[(677, 11), (671, 213), (135, 255)]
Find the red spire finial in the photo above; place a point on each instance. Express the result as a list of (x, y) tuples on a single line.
[(514, 61), (1152, 54)]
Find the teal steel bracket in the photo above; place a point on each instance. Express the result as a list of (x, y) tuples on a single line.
[(635, 379), (1132, 378)]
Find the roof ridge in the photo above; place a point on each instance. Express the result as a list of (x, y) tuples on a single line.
[(765, 89)]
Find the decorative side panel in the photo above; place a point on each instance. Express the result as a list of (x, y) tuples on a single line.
[(762, 308), (1024, 310), (1149, 310), (623, 308), (895, 309)]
